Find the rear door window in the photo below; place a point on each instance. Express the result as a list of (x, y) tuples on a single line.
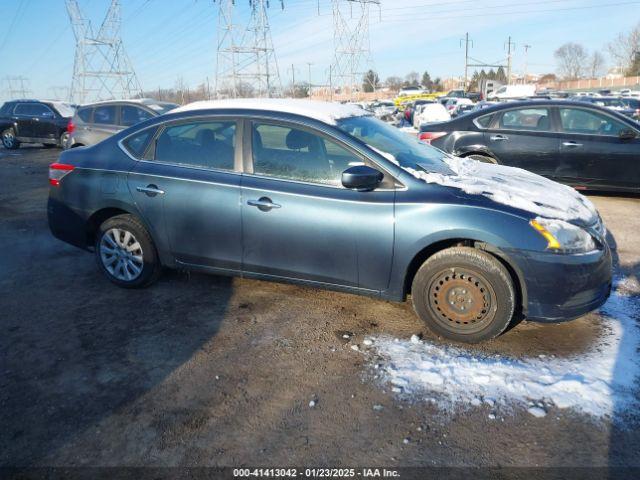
[(206, 144), (130, 115), (535, 119), (105, 115)]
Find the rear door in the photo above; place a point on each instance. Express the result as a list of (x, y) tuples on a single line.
[(299, 222), (525, 137), (594, 152), (44, 126), (188, 186), (23, 118), (105, 123)]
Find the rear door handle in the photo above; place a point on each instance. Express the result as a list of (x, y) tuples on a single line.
[(150, 190), (499, 138), (571, 144), (263, 203)]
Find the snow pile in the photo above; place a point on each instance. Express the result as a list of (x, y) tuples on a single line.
[(599, 382), (326, 112), (514, 187)]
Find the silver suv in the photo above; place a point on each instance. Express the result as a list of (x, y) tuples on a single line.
[(94, 122)]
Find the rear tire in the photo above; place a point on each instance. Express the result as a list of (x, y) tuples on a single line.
[(464, 294), (125, 252), (482, 158), (9, 140)]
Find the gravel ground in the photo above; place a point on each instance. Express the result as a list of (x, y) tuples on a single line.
[(204, 370)]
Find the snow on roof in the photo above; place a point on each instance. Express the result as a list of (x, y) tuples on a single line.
[(599, 381), (323, 111)]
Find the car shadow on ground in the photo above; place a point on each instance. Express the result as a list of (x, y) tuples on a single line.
[(75, 348)]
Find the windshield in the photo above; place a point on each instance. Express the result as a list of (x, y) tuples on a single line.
[(407, 150)]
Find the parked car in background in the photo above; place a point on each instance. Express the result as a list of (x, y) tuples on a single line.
[(462, 108), (452, 103), (612, 103), (410, 109), (384, 109), (508, 92), (328, 196), (634, 105), (411, 90), (430, 113), (576, 143), (483, 104), (94, 122), (34, 121)]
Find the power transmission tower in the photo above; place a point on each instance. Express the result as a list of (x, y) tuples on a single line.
[(102, 70), (246, 64), (16, 87), (351, 43)]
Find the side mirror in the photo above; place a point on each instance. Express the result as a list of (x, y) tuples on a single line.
[(627, 134), (361, 178)]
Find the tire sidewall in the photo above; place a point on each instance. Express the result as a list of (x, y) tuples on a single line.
[(151, 264), (472, 259), (15, 143)]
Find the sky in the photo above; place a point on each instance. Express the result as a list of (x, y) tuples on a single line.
[(167, 39)]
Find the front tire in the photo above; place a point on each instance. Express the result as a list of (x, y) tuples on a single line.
[(125, 252), (464, 294), (9, 139)]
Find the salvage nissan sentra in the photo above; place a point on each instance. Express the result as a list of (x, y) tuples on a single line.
[(327, 196)]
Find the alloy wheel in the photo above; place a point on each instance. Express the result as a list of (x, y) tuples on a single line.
[(8, 139), (121, 254)]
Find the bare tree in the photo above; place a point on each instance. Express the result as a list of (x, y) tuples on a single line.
[(572, 60), (412, 79), (596, 65), (394, 83), (624, 48)]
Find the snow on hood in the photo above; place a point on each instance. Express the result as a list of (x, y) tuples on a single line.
[(599, 382), (515, 187), (326, 112)]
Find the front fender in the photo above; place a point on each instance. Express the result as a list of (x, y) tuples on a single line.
[(420, 227)]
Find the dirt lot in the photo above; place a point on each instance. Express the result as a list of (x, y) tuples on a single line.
[(203, 370)]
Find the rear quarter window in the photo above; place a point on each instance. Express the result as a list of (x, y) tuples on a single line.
[(137, 143), (484, 121)]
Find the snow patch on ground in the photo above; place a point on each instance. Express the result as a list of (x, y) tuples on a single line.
[(514, 187), (599, 382)]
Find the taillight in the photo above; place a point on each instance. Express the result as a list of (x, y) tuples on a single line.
[(428, 137), (71, 127), (57, 171)]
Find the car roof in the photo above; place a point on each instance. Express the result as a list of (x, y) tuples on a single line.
[(326, 112)]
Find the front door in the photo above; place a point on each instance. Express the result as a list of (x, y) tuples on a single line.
[(598, 157), (524, 138), (300, 223), (190, 186)]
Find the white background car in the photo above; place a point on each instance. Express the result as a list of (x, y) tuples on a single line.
[(430, 113), (452, 103)]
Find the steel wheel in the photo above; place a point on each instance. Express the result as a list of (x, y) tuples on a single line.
[(461, 300), (121, 254)]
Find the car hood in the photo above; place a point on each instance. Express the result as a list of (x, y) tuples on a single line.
[(510, 186)]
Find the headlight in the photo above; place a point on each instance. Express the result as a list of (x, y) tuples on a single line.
[(563, 237)]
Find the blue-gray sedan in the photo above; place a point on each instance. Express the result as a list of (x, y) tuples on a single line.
[(327, 196)]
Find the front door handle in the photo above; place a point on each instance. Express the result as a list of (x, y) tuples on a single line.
[(264, 204), (150, 190), (498, 138), (571, 144)]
